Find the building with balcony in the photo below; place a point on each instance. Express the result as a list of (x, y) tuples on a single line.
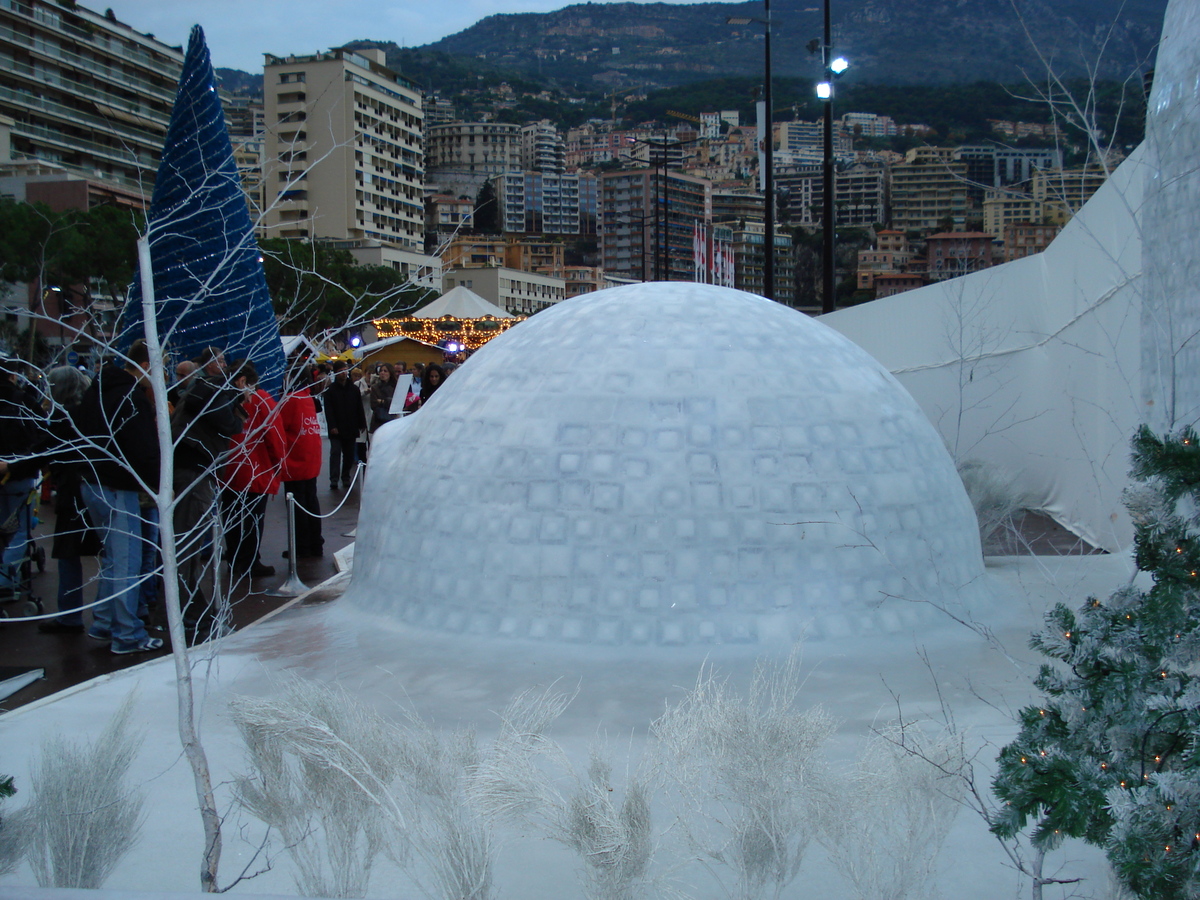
[(953, 253), (515, 291), (749, 259), (542, 148), (481, 251), (344, 157), (860, 195), (1064, 191), (461, 156), (541, 203), (85, 91), (929, 190), (1002, 208), (1025, 239), (647, 222)]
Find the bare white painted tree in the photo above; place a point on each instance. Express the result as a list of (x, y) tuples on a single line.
[(83, 813), (747, 770), (529, 777)]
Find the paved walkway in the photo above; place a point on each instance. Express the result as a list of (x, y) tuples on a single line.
[(70, 659)]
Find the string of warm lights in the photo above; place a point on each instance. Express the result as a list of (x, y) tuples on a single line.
[(470, 333)]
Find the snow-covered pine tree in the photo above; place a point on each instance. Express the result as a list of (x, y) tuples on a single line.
[(1112, 753)]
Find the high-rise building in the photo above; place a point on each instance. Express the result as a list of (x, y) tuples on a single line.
[(85, 91), (538, 203), (648, 220), (860, 195), (461, 156), (542, 148), (344, 158), (929, 191)]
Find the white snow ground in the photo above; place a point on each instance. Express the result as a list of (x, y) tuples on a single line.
[(455, 680)]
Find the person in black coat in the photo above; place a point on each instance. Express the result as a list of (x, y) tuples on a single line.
[(120, 457), (344, 418)]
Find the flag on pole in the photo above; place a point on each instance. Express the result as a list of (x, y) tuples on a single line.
[(208, 275)]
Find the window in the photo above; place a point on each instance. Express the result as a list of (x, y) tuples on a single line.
[(291, 77)]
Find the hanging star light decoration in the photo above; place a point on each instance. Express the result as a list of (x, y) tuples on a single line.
[(209, 285)]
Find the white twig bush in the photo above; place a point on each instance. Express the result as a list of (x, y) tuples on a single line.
[(12, 840), (342, 785), (448, 834), (748, 771), (883, 823), (322, 767), (82, 816), (521, 777)]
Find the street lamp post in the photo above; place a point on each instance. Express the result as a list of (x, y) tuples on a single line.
[(833, 68), (768, 174)]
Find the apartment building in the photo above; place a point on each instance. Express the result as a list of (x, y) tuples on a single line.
[(749, 242), (85, 91), (1002, 208), (481, 251), (647, 219), (543, 203), (1026, 239), (515, 291), (343, 150), (461, 156), (1064, 191), (860, 195), (929, 187), (953, 253), (542, 148)]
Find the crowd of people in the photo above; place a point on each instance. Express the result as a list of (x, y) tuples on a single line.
[(97, 441)]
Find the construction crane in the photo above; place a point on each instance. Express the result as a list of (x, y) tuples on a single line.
[(621, 94)]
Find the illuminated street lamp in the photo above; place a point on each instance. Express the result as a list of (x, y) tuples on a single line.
[(833, 68)]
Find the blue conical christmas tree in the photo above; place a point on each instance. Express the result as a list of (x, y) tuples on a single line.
[(209, 285)]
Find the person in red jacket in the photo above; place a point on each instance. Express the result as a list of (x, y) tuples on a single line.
[(302, 460), (251, 475)]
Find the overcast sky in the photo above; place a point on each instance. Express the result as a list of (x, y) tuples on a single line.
[(239, 32)]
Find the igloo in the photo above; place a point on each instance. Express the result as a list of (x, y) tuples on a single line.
[(664, 464)]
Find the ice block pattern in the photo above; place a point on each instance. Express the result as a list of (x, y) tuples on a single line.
[(664, 464)]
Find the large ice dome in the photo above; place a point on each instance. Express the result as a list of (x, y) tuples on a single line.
[(664, 464)]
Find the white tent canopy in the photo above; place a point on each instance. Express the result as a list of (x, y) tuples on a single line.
[(462, 303), (294, 342)]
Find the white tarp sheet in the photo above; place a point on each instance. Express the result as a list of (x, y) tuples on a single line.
[(1034, 366)]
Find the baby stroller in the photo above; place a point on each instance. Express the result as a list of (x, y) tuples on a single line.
[(19, 555)]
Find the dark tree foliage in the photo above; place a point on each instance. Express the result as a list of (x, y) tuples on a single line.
[(1111, 755), (73, 247), (316, 287)]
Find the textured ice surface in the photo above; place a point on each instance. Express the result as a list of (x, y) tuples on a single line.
[(664, 464)]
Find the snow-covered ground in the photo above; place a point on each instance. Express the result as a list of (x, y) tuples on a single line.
[(864, 681)]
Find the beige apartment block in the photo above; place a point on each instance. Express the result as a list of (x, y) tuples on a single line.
[(1003, 208), (85, 91), (344, 158), (929, 187), (1064, 191), (520, 293)]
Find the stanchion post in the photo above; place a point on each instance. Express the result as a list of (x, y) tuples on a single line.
[(293, 586)]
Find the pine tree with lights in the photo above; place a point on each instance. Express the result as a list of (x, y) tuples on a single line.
[(1112, 753)]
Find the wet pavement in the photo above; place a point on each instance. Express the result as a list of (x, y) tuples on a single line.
[(69, 659)]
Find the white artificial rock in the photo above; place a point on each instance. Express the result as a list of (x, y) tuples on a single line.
[(664, 464)]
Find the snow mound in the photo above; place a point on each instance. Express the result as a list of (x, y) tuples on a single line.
[(664, 464)]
